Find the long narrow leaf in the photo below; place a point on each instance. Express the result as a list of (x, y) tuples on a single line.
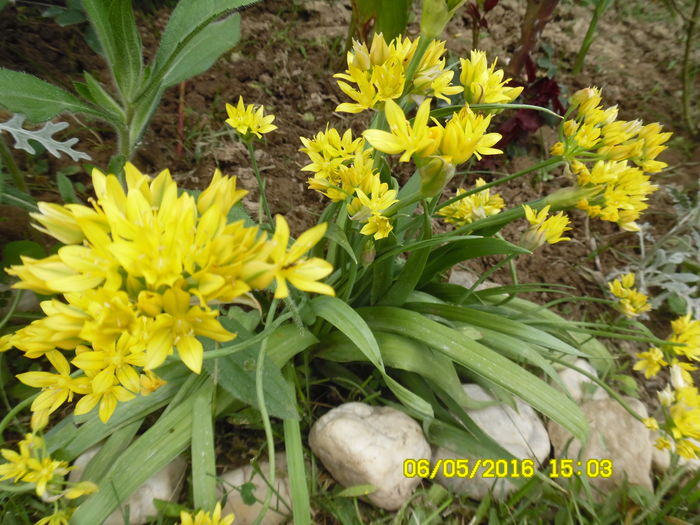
[(482, 361), (203, 453)]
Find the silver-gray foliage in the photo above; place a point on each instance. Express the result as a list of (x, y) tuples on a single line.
[(43, 135)]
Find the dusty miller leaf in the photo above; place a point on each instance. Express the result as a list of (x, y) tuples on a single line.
[(44, 136)]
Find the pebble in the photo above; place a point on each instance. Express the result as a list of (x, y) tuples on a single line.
[(578, 385), (361, 444)]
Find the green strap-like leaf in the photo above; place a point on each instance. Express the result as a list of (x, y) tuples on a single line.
[(497, 323), (38, 100), (203, 453), (480, 360), (456, 252)]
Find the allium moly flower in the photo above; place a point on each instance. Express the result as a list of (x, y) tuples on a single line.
[(206, 518), (479, 205), (60, 517), (544, 229), (138, 286), (631, 302), (484, 84), (403, 137), (650, 362), (248, 121), (686, 331)]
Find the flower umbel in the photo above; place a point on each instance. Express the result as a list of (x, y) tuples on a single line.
[(248, 121)]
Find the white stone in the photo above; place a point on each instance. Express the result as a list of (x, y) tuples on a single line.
[(280, 504), (165, 485), (360, 444), (578, 385), (467, 279), (613, 434), (519, 432)]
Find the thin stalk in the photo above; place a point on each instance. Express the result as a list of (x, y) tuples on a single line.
[(301, 508), (598, 12), (12, 413), (262, 201), (13, 306), (686, 71), (549, 163), (260, 392), (9, 162)]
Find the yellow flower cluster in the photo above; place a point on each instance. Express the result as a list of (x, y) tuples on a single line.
[(631, 302), (680, 399), (544, 229), (343, 170), (618, 190), (248, 121), (206, 518), (137, 278), (476, 206), (33, 464), (484, 84), (379, 73)]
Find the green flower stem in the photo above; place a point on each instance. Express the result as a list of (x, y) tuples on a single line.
[(549, 163), (598, 12), (261, 186), (13, 306), (259, 390), (9, 162), (412, 199), (485, 275), (423, 43), (12, 413)]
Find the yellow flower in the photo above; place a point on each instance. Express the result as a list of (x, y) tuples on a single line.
[(465, 135), (289, 265), (248, 121), (651, 423), (378, 226), (58, 222), (663, 443), (177, 327), (150, 382), (680, 373), (60, 517), (365, 96), (206, 518), (686, 332), (687, 449), (484, 85), (402, 137), (6, 342), (42, 471), (631, 301), (650, 362), (542, 229), (80, 489), (477, 206), (107, 393)]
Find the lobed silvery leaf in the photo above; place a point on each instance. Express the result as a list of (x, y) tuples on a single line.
[(44, 136)]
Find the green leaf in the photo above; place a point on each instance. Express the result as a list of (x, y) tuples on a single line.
[(12, 252), (347, 320), (38, 100), (202, 51), (117, 442), (114, 24), (338, 236), (66, 190), (456, 252), (496, 323), (236, 374), (203, 453), (187, 21), (150, 453), (480, 360), (99, 96)]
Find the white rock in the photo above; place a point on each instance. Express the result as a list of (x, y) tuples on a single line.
[(165, 485), (360, 444), (519, 432), (613, 434), (280, 504), (578, 385)]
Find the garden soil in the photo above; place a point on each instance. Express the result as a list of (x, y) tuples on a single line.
[(287, 55)]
